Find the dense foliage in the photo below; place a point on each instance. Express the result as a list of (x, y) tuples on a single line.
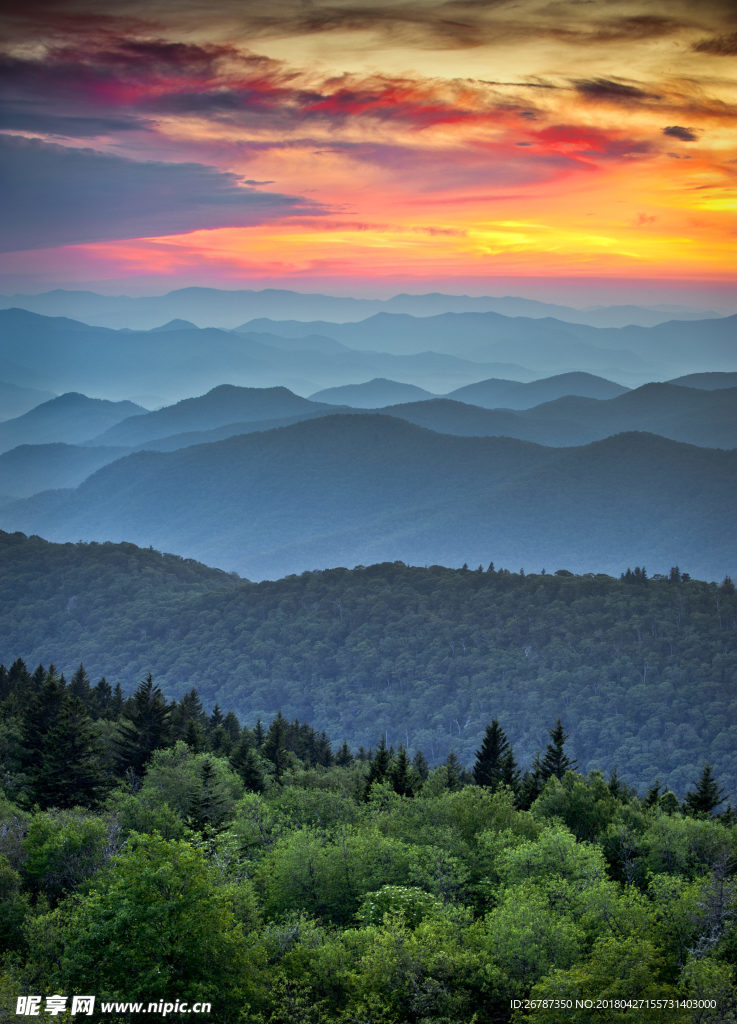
[(166, 853), (641, 670)]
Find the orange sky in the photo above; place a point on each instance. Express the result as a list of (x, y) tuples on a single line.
[(369, 145)]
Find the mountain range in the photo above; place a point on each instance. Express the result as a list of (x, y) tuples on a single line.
[(425, 656), (212, 307), (353, 489)]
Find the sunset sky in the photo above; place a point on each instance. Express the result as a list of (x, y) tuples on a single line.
[(372, 147)]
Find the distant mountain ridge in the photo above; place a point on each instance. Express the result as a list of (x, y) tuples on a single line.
[(372, 394), (72, 416), (227, 308), (354, 489), (223, 404), (56, 353)]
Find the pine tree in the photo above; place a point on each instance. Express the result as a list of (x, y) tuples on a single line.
[(421, 767), (455, 771), (344, 757), (555, 760), (275, 745), (79, 685), (208, 806), (495, 764), (245, 761), (509, 772), (232, 727), (531, 785), (653, 794), (193, 736), (145, 726), (380, 766), (707, 796), (401, 774), (41, 715), (68, 772), (101, 699)]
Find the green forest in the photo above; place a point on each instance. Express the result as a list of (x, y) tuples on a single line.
[(640, 669), (287, 882)]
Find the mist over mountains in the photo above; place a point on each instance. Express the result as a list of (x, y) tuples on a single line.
[(462, 434), (347, 490), (212, 307)]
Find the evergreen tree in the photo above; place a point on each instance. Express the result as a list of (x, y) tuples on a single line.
[(532, 784), (455, 771), (239, 752), (41, 715), (68, 772), (193, 736), (275, 745), (220, 741), (653, 794), (117, 703), (188, 711), (252, 773), (232, 727), (495, 764), (555, 760), (707, 796), (101, 699), (401, 774), (421, 767), (344, 757), (145, 726), (509, 772), (208, 806), (79, 685), (380, 766)]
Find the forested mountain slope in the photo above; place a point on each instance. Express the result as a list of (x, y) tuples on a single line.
[(642, 671)]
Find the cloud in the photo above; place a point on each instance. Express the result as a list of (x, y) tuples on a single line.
[(718, 46), (52, 195), (26, 119), (677, 132), (612, 91)]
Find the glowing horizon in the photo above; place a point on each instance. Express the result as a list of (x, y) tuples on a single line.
[(370, 145)]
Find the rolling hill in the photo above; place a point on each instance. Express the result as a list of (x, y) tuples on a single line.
[(70, 418), (373, 394), (427, 656), (361, 488)]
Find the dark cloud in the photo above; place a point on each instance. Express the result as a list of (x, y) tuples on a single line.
[(677, 132), (142, 81), (52, 195), (718, 46), (612, 91), (22, 118)]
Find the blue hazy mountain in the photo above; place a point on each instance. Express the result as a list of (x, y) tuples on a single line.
[(344, 490), (31, 468), (372, 394), (15, 400), (212, 307), (512, 394), (707, 381), (220, 406), (61, 354), (682, 414), (70, 418)]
